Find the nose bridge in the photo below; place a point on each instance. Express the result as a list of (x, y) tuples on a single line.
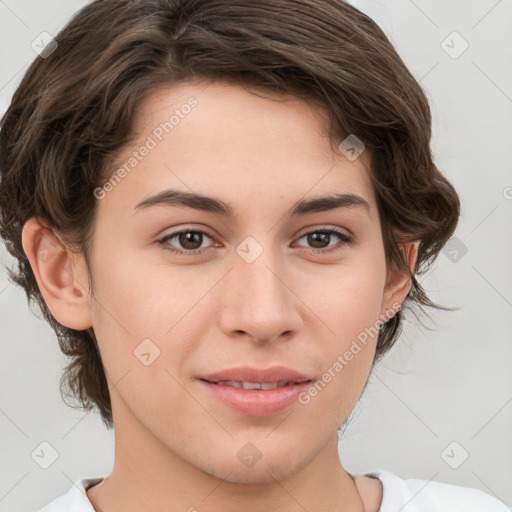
[(260, 302), (257, 272)]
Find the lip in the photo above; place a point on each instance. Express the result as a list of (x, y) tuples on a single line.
[(252, 402), (250, 374)]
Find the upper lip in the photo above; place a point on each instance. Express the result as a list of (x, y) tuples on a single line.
[(249, 374)]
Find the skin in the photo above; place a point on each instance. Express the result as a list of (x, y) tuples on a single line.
[(176, 446)]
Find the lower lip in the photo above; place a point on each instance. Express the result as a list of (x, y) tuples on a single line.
[(257, 402)]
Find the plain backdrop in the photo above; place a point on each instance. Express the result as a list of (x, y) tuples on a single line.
[(439, 406)]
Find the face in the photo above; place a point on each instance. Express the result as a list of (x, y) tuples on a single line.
[(185, 289)]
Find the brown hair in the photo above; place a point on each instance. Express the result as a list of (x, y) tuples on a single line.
[(74, 110)]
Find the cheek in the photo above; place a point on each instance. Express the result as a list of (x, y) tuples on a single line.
[(351, 309), (352, 298), (142, 340), (139, 301), (132, 289)]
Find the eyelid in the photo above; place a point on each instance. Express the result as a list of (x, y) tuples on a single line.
[(326, 227), (200, 229)]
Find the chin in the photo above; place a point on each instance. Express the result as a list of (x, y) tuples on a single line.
[(266, 470), (260, 474)]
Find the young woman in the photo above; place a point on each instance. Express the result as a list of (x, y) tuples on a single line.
[(221, 208)]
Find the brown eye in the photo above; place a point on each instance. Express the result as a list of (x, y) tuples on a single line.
[(321, 238), (189, 241)]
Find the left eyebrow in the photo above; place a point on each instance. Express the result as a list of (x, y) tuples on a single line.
[(174, 197)]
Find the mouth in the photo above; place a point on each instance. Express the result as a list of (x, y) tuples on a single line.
[(257, 399), (255, 385)]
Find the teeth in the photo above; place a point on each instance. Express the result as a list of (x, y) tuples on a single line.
[(253, 385), (233, 383)]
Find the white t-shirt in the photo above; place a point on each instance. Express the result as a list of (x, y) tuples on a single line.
[(404, 495)]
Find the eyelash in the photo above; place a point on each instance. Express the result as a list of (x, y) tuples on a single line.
[(346, 240)]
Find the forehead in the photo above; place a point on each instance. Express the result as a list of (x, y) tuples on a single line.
[(232, 141), (230, 96)]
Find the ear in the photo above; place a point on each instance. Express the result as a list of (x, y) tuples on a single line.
[(398, 284), (60, 274)]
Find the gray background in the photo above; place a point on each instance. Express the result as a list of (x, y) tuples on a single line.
[(445, 390)]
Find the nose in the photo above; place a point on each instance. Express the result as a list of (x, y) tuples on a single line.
[(259, 301)]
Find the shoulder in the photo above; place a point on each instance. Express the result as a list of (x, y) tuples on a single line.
[(75, 500), (416, 495)]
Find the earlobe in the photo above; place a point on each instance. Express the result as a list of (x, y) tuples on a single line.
[(63, 288), (398, 283)]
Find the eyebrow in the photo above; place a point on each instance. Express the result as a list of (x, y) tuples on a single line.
[(174, 197)]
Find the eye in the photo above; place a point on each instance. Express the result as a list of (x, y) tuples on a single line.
[(191, 241), (320, 237)]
